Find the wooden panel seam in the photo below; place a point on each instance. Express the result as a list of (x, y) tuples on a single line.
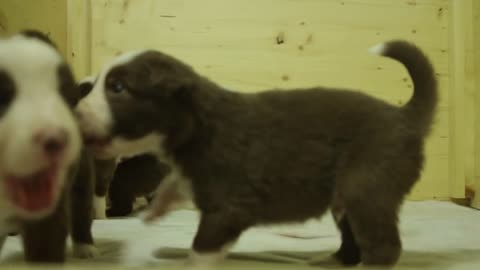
[(79, 36), (457, 37)]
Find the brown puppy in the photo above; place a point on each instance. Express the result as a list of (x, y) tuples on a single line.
[(271, 157), (40, 172)]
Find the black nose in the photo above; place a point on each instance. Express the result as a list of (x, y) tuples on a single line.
[(52, 141), (54, 145)]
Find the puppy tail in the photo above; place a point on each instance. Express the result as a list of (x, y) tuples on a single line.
[(421, 107)]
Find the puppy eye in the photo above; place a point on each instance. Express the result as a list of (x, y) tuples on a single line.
[(118, 87), (6, 95), (6, 91)]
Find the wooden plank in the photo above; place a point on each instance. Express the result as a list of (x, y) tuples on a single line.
[(458, 56), (325, 43), (476, 29), (48, 16), (79, 37), (469, 99)]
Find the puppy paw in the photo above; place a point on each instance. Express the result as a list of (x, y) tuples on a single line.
[(205, 261), (85, 251)]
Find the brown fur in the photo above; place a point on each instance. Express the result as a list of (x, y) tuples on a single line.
[(283, 156)]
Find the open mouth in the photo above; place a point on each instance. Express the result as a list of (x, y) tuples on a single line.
[(33, 193)]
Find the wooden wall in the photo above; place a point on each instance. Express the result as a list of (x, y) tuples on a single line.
[(49, 16), (252, 47), (469, 102), (476, 37), (295, 44)]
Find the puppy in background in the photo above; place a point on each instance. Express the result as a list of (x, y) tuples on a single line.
[(134, 177), (43, 173), (118, 186), (272, 157)]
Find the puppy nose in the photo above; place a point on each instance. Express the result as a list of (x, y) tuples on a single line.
[(52, 141)]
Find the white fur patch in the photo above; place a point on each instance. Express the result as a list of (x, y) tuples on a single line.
[(89, 79), (378, 49), (95, 117), (174, 192), (37, 106), (124, 148), (85, 251), (100, 206)]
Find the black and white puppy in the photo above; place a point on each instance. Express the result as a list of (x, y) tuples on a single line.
[(118, 182), (40, 147), (272, 157)]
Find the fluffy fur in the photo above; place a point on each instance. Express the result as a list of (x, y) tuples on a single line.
[(40, 148), (272, 157)]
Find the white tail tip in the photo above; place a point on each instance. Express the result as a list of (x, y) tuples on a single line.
[(378, 49)]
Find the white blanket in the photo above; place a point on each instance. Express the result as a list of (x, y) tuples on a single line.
[(436, 235)]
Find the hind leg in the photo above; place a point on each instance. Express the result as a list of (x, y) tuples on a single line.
[(349, 253), (372, 186), (376, 233), (371, 207), (372, 197)]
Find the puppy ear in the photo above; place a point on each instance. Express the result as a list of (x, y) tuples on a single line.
[(166, 85), (85, 86), (68, 85), (30, 33), (179, 90)]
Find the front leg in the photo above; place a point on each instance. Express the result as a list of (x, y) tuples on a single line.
[(104, 172), (216, 234), (82, 209), (45, 240), (167, 196)]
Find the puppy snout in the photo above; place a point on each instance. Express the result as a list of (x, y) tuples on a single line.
[(52, 141)]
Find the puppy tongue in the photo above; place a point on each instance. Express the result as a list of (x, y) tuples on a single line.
[(35, 192)]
